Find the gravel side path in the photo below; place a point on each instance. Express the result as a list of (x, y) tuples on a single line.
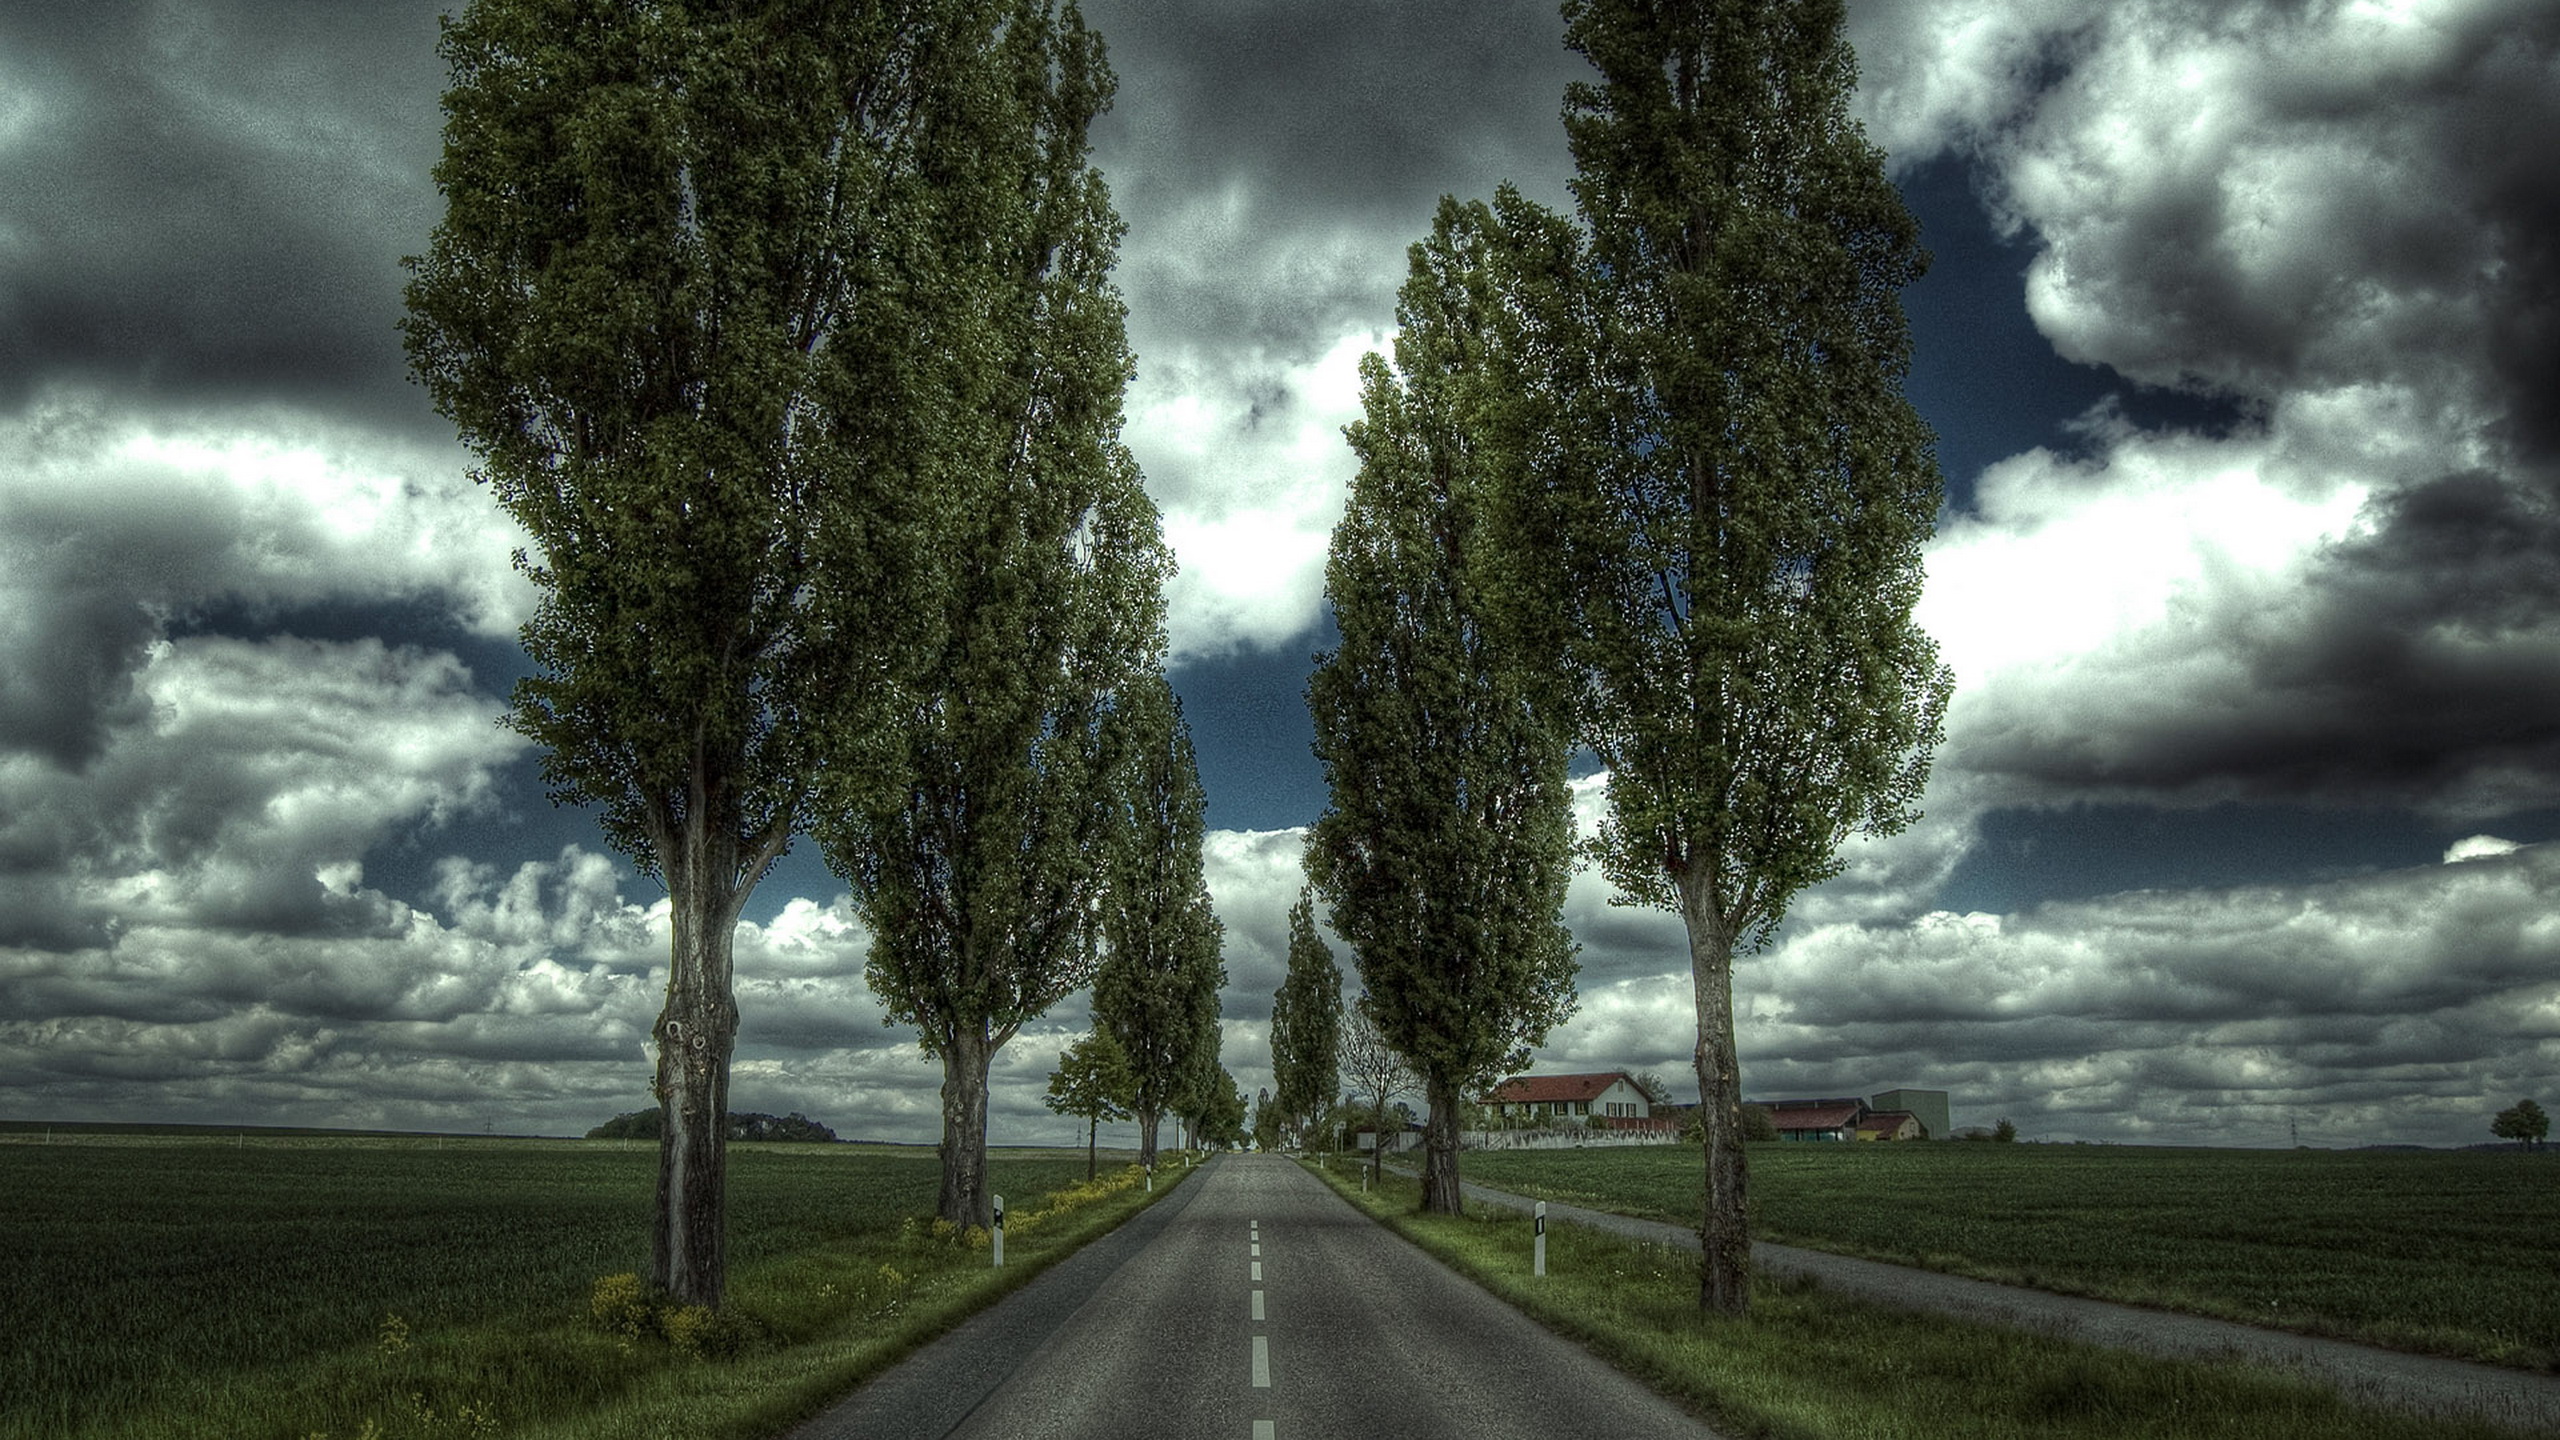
[(2424, 1383)]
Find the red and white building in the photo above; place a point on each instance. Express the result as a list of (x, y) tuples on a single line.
[(1574, 1099)]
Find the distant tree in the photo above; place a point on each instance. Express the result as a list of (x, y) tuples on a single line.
[(1092, 1081), (1446, 841), (2004, 1132), (1306, 1021), (752, 1126), (792, 1128), (635, 1125), (1216, 1110), (1374, 1071), (1757, 1124), (982, 877), (1655, 1088), (1739, 492), (1157, 990), (1268, 1123), (696, 304), (2523, 1122)]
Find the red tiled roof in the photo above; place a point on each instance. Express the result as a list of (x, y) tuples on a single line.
[(1887, 1122), (1813, 1117), (1543, 1089)]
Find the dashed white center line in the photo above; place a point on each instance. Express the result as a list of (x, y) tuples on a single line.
[(1257, 1269), (1261, 1363), (1262, 1431), (1257, 1249), (1257, 1305)]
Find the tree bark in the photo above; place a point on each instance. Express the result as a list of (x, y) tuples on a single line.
[(1441, 1194), (695, 1034), (1147, 1122), (1378, 1150), (1724, 1236), (1092, 1138), (964, 1202)]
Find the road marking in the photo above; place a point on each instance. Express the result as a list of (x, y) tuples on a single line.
[(1257, 1304), (1257, 1269), (1262, 1431), (1261, 1362), (1257, 1249)]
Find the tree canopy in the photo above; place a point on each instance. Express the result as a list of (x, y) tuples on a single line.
[(2524, 1122)]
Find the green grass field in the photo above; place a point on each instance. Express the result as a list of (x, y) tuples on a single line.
[(355, 1287), (1811, 1364), (2443, 1252)]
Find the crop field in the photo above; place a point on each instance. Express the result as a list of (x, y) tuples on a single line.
[(1816, 1364), (2443, 1252), (341, 1288)]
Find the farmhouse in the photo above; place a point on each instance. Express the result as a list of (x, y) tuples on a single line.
[(1893, 1115), (1612, 1095)]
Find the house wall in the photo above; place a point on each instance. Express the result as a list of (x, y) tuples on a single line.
[(1624, 1101)]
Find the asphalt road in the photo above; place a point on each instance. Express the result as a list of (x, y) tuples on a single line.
[(1254, 1304)]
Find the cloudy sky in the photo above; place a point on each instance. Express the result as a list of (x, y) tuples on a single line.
[(2242, 344)]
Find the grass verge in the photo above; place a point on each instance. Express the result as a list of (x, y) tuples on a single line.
[(366, 1290), (1809, 1364)]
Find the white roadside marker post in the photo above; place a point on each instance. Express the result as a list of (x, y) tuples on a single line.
[(1538, 1262), (1151, 1179), (995, 1237)]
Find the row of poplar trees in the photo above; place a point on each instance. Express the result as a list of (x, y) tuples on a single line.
[(1641, 482), (785, 329)]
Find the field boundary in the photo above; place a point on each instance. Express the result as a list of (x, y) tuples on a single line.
[(2368, 1374)]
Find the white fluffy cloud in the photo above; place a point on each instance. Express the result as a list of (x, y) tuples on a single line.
[(1251, 481)]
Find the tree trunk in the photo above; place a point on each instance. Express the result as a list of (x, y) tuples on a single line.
[(1378, 1150), (964, 1202), (1092, 1136), (688, 1253), (1441, 1194), (1724, 1237), (1147, 1122)]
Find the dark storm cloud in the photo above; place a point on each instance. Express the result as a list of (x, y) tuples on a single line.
[(1274, 157), (2407, 665), (2339, 218), (2290, 198), (210, 204)]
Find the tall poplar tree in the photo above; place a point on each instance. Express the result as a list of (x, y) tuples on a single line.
[(1747, 493), (1157, 990), (1306, 1021), (1445, 845), (693, 304), (982, 876)]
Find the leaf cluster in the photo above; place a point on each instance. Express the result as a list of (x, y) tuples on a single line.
[(691, 307)]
